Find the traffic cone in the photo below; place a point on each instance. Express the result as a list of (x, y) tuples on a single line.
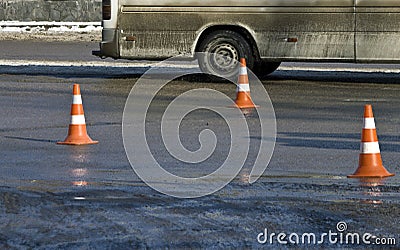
[(243, 98), (370, 161), (77, 134)]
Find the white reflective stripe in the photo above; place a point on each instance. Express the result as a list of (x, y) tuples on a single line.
[(369, 148), (243, 88), (369, 123), (243, 71), (78, 119), (77, 99)]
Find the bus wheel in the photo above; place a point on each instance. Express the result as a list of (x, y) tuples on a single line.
[(222, 52), (264, 68)]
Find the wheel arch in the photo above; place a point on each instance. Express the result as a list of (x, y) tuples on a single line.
[(242, 30)]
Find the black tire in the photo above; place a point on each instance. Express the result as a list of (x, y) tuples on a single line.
[(222, 51), (264, 68)]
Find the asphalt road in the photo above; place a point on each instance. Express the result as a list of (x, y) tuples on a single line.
[(55, 196)]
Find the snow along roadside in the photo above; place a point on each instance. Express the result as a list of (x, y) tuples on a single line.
[(50, 31)]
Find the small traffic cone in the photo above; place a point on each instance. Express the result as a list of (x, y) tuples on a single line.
[(243, 98), (77, 134), (370, 161)]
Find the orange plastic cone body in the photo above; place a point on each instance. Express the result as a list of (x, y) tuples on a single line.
[(370, 161), (243, 99), (77, 134)]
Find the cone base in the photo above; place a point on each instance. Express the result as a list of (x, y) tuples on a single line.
[(370, 166), (76, 143), (77, 135), (244, 101), (244, 106), (369, 176), (77, 140), (247, 106)]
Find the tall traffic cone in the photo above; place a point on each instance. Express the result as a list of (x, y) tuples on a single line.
[(77, 134), (370, 161), (243, 98)]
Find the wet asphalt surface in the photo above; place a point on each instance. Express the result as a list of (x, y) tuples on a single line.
[(88, 197)]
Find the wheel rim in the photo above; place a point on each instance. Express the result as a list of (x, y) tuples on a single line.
[(225, 58)]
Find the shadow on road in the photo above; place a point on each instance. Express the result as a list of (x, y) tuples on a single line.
[(345, 141), (339, 76), (75, 71)]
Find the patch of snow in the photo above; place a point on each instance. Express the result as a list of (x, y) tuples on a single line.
[(132, 64), (59, 27)]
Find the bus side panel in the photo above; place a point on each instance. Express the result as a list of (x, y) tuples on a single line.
[(280, 33), (307, 36), (240, 3), (154, 35), (378, 31)]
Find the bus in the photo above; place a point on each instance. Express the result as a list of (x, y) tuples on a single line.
[(265, 32)]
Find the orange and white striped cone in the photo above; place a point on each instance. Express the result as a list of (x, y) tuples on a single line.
[(77, 134), (243, 98), (370, 161)]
